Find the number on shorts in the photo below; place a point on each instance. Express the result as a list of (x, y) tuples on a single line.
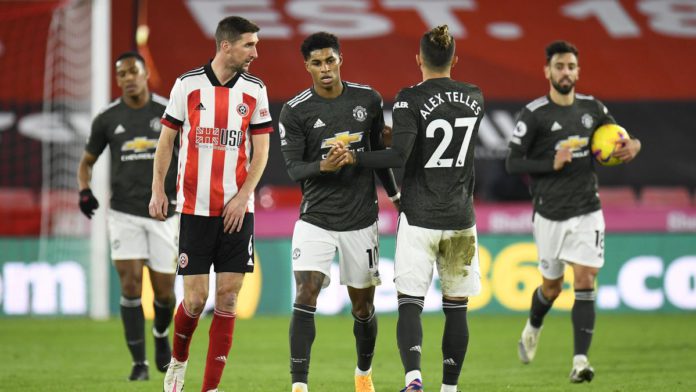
[(599, 239), (372, 256)]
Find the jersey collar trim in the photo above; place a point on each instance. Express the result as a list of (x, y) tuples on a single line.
[(214, 80)]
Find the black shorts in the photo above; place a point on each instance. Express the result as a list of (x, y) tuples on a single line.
[(202, 242)]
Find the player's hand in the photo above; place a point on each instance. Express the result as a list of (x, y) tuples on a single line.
[(334, 158), (159, 205), (88, 203), (627, 150), (233, 213), (562, 157), (387, 136)]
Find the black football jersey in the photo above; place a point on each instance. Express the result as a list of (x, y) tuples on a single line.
[(309, 125), (541, 129), (132, 136), (438, 183)]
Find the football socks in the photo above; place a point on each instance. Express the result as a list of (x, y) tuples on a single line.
[(221, 331), (540, 306), (583, 316), (302, 334), (365, 332), (134, 326), (185, 324), (409, 331), (455, 339)]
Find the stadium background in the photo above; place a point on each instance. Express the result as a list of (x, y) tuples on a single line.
[(636, 56)]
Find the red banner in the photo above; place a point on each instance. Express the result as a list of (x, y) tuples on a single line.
[(629, 50)]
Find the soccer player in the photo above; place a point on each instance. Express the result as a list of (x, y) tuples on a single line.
[(435, 127), (222, 113), (551, 142), (130, 127), (339, 204)]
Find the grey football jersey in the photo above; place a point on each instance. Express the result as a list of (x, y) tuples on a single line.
[(309, 125), (542, 128), (438, 183), (132, 136)]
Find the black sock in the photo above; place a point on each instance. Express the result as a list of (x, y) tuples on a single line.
[(540, 306), (365, 332), (455, 340), (302, 333), (409, 331), (583, 316), (134, 327), (163, 316)]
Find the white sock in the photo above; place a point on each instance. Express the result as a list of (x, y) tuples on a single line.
[(580, 359), (359, 372), (531, 327), (412, 375), (299, 387), (448, 388)]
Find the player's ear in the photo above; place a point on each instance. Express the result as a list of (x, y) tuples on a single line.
[(340, 59), (418, 61), (547, 71), (454, 61)]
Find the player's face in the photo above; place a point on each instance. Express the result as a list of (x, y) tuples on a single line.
[(563, 72), (325, 67), (131, 76), (240, 53)]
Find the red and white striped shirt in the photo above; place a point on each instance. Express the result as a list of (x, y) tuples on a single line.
[(216, 123)]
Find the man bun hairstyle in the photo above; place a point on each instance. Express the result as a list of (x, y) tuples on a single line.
[(437, 47), (560, 47), (317, 41), (130, 55), (231, 29)]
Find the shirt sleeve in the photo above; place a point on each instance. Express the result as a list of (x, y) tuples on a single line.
[(261, 118), (523, 136), (604, 116), (175, 113), (404, 134), (97, 141), (385, 175), (292, 144)]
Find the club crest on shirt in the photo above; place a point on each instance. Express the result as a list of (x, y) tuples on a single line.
[(243, 109), (296, 253), (360, 113), (183, 260), (155, 124), (587, 120)]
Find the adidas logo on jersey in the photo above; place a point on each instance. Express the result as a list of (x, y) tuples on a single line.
[(319, 123), (200, 106), (556, 126), (119, 129)]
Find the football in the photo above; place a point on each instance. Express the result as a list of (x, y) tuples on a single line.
[(604, 142)]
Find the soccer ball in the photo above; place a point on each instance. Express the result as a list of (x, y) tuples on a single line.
[(604, 142)]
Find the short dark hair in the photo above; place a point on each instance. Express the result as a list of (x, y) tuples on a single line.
[(559, 47), (437, 47), (130, 55), (320, 40), (231, 28)]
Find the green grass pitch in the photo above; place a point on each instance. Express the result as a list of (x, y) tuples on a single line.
[(647, 352)]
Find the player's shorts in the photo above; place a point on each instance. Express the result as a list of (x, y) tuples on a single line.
[(455, 252), (314, 248), (578, 240), (138, 238), (203, 242)]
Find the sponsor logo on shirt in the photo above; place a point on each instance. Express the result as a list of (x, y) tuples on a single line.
[(346, 137)]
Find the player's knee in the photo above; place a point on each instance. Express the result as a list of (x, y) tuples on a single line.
[(226, 299), (551, 292), (131, 288), (165, 296), (307, 293), (195, 302), (362, 309)]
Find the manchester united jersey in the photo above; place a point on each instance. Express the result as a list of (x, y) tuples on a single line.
[(542, 128), (216, 122)]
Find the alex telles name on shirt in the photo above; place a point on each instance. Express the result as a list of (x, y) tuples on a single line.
[(437, 99)]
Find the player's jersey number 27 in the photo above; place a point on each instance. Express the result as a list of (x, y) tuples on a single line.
[(436, 159)]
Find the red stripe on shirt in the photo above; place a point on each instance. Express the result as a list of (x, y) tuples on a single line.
[(191, 173), (217, 192), (242, 156)]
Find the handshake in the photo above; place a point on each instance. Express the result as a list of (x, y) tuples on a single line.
[(338, 156)]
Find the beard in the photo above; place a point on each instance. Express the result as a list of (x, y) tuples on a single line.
[(563, 90)]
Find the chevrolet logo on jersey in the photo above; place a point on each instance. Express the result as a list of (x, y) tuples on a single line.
[(139, 144), (573, 143), (346, 137)]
